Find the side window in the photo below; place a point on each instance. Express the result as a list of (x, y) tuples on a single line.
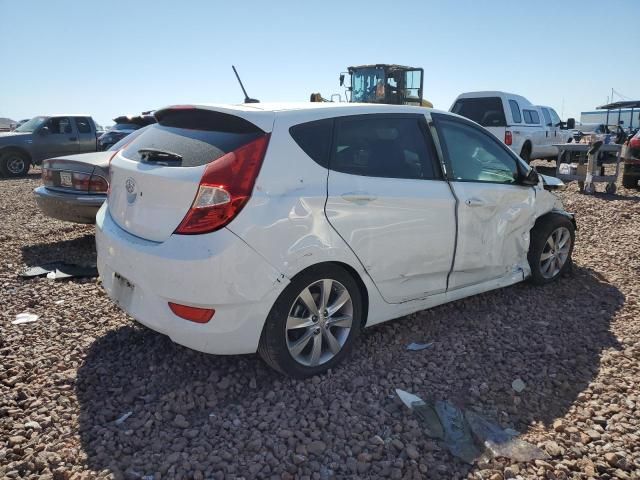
[(531, 116), (554, 117), (83, 124), (383, 146), (315, 139), (59, 125), (473, 155), (547, 117), (515, 111)]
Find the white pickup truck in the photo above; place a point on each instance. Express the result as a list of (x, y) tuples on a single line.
[(529, 130)]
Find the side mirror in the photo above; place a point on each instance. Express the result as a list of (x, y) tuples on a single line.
[(341, 79), (530, 178), (571, 123), (44, 131)]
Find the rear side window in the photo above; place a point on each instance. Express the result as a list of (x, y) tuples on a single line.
[(315, 139), (515, 111), (531, 117), (383, 146), (197, 136), (547, 117), (487, 111), (83, 124)]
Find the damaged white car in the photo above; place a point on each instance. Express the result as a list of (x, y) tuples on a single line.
[(286, 229)]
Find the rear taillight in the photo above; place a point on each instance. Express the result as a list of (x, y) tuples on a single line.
[(634, 143), (83, 182), (224, 189), (193, 314), (508, 138)]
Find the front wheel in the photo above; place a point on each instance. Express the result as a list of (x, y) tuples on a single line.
[(14, 164), (314, 323), (551, 247)]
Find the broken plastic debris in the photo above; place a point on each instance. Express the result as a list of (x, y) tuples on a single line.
[(25, 317), (59, 302), (418, 346), (500, 442), (518, 385), (121, 420), (468, 435), (457, 434), (60, 270)]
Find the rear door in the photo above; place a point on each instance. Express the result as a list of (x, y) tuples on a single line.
[(154, 180), (388, 201), (86, 134), (495, 213)]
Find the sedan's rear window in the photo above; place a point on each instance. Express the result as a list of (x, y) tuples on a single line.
[(197, 137), (487, 111)]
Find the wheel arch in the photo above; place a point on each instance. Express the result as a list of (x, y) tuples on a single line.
[(16, 148)]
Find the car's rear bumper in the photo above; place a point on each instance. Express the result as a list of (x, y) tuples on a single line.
[(216, 270), (71, 207)]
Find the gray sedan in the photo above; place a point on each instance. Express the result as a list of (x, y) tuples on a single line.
[(75, 186)]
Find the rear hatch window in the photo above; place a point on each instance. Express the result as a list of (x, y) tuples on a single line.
[(487, 111), (195, 137)]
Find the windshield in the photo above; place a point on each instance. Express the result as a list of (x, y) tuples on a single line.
[(31, 125), (125, 126), (365, 82)]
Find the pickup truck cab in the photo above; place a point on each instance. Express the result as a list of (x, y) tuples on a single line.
[(45, 137), (514, 120)]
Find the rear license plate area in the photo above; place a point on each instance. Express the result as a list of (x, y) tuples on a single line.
[(122, 290), (65, 179)]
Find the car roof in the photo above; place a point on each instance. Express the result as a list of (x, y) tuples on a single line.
[(494, 93)]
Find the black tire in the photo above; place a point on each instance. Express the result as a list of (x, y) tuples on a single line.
[(14, 163), (273, 342), (630, 180), (540, 233), (525, 153)]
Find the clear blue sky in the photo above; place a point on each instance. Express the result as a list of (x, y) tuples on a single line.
[(111, 58)]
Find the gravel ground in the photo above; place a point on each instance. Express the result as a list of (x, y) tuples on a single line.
[(65, 379)]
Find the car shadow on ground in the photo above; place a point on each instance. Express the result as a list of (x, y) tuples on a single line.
[(191, 411), (29, 176), (80, 250)]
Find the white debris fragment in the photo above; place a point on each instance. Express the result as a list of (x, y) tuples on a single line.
[(25, 317), (121, 420), (518, 385)]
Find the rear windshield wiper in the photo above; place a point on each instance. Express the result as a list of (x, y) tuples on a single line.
[(153, 155)]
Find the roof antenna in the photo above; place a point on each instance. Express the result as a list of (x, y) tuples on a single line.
[(246, 97)]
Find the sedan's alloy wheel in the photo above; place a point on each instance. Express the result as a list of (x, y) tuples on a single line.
[(319, 322), (555, 252)]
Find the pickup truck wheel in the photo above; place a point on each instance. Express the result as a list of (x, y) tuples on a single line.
[(551, 247), (525, 153), (14, 164)]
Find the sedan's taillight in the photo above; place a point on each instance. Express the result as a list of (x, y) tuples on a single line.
[(224, 189), (508, 138)]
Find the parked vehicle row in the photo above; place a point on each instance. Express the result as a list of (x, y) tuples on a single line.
[(529, 130), (45, 137), (124, 125), (289, 228)]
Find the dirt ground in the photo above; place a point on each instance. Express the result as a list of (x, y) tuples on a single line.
[(67, 378)]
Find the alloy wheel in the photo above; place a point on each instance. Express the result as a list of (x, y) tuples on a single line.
[(319, 322), (555, 252), (15, 164)]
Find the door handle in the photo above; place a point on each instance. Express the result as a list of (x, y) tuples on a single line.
[(73, 139), (475, 202), (358, 197)]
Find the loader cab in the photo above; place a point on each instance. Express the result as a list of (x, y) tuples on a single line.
[(387, 84)]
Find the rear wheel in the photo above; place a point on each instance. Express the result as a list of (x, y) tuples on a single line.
[(551, 247), (525, 153), (14, 164), (314, 323)]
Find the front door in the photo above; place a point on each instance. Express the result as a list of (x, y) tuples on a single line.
[(388, 201), (495, 213), (57, 139)]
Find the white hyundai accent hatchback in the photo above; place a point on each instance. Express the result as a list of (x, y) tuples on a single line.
[(286, 229)]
